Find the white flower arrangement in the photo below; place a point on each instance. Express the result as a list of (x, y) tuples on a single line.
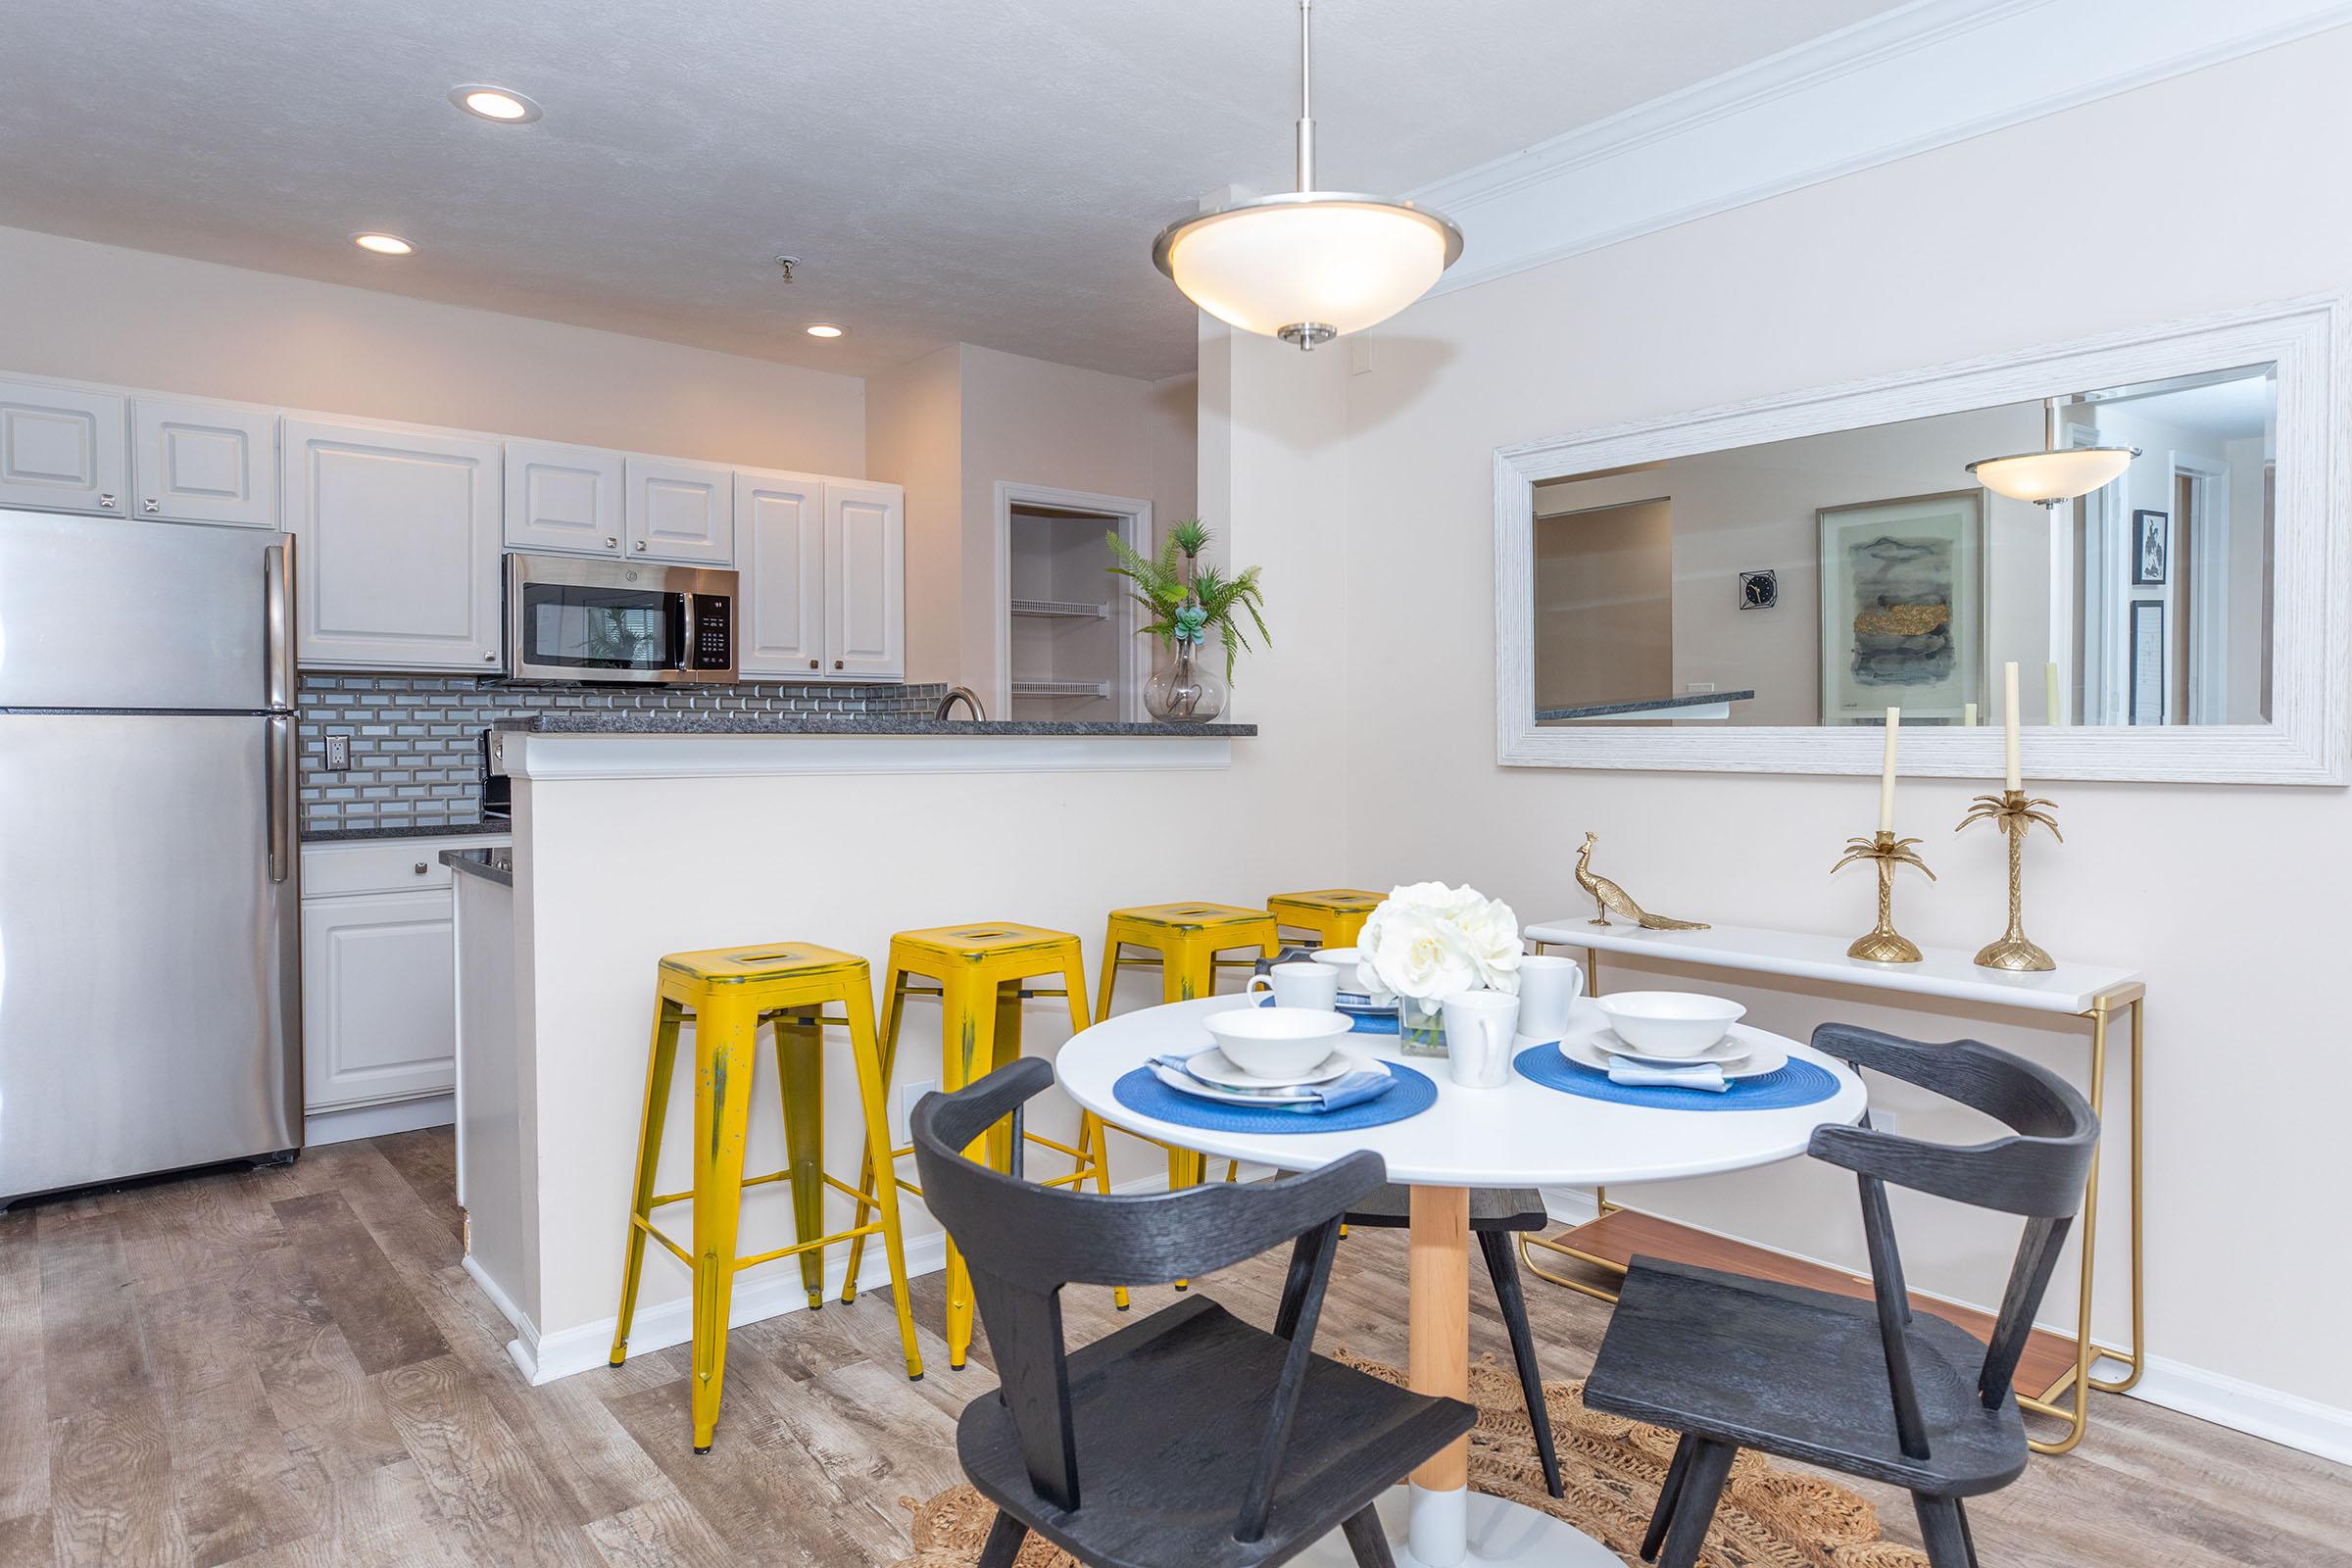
[(1429, 941)]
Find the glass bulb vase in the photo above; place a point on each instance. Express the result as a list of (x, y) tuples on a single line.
[(1420, 1027), (1183, 689)]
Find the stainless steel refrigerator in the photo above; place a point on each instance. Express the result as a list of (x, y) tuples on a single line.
[(150, 910)]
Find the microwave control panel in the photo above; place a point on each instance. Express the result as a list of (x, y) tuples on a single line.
[(714, 635)]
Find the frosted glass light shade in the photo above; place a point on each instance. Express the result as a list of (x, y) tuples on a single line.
[(1308, 260), (2050, 477)]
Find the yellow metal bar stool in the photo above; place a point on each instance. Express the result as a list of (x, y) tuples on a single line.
[(1189, 943), (729, 992), (1334, 915), (980, 974)]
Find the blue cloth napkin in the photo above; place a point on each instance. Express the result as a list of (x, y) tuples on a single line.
[(1704, 1075), (1301, 1099)]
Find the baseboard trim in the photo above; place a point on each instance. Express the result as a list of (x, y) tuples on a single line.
[(2272, 1414), (377, 1121), (543, 1358)]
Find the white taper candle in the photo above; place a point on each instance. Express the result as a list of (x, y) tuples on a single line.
[(1895, 720), (2009, 718)]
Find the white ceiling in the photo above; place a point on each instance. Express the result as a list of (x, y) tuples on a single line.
[(983, 171)]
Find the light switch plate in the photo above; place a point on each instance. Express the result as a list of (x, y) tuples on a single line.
[(339, 754)]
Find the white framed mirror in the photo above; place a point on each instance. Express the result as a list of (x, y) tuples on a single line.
[(1748, 588)]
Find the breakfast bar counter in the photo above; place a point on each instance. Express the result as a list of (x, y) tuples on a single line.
[(640, 833)]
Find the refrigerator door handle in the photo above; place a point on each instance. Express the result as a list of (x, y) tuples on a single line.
[(277, 579), (282, 806)]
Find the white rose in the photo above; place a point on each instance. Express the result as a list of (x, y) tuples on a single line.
[(1490, 934), (1414, 954)]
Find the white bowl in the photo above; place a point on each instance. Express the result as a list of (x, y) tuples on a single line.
[(1277, 1042), (1668, 1023)]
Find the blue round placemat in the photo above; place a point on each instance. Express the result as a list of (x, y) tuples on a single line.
[(1800, 1083), (1146, 1095), (1362, 1023)]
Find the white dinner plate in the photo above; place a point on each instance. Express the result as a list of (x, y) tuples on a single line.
[(1184, 1084), (1729, 1048), (1759, 1057), (1215, 1067)]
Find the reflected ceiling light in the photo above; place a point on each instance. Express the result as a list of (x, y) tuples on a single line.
[(2053, 478), (822, 329), (500, 104), (1308, 264), (382, 244)]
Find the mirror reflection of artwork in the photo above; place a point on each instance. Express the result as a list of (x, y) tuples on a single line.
[(1900, 596)]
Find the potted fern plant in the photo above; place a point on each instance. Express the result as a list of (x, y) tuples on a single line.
[(1183, 603)]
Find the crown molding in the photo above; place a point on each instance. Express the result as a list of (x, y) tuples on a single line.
[(1912, 79)]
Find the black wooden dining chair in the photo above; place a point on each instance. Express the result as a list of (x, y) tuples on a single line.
[(1495, 1213), (1868, 1387), (1200, 1440)]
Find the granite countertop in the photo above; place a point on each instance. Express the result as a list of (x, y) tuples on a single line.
[(490, 864), (629, 722), (1641, 704), (415, 830)]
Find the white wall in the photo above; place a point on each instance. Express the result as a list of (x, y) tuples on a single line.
[(954, 424), (2210, 890), (97, 313)]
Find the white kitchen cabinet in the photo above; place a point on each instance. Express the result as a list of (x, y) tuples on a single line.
[(680, 512), (397, 546), (63, 448), (378, 999), (865, 581), (204, 462), (780, 544), (563, 497)]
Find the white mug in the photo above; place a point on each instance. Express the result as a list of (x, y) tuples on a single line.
[(1299, 984), (1547, 988), (1480, 1029)]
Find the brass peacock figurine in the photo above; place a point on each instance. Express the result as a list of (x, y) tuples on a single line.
[(1610, 897)]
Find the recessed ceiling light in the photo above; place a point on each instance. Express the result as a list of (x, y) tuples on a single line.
[(822, 329), (382, 244), (502, 104)]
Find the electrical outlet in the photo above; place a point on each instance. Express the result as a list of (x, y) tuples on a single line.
[(1698, 686), (1882, 1119), (339, 754), (904, 1112)]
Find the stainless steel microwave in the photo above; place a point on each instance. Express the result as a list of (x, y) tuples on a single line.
[(572, 618)]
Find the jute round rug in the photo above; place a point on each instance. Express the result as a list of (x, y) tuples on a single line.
[(1611, 1469)]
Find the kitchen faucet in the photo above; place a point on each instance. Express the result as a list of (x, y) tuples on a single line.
[(967, 697)]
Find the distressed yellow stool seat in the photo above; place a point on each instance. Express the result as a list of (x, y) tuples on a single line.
[(980, 973), (1189, 943), (729, 992), (1334, 915)]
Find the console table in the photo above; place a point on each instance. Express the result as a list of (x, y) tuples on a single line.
[(2055, 1368)]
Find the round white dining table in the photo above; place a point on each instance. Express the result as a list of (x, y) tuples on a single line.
[(1520, 1135)]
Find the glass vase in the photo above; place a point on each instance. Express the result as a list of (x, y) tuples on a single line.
[(1184, 690), (1420, 1027)]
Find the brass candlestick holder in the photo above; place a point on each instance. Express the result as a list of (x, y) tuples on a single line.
[(1884, 944), (2015, 815)]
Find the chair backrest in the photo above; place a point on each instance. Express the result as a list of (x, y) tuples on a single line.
[(2037, 1172), (1023, 1242)]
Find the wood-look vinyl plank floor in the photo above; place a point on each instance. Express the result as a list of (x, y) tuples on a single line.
[(287, 1368)]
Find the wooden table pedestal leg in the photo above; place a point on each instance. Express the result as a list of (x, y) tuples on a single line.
[(1439, 1362)]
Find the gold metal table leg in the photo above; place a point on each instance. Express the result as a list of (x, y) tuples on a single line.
[(2135, 1358)]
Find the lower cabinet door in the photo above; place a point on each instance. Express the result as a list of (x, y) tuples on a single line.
[(378, 999)]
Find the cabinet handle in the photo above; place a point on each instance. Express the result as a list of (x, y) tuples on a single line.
[(490, 658), (106, 500), (152, 505), (837, 664), (641, 547), (611, 541), (815, 664), (420, 868)]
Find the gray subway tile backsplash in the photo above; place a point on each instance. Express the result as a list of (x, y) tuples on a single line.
[(414, 738)]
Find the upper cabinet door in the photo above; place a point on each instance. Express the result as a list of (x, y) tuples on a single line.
[(64, 450), (562, 498), (682, 512), (866, 579), (395, 559), (780, 606), (204, 462)]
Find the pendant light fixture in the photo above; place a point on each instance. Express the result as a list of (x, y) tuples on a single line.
[(2053, 477), (1308, 264)]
